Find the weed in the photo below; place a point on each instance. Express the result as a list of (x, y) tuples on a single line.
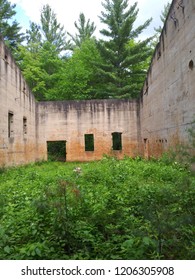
[(110, 209)]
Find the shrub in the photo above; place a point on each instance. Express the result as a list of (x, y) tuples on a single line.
[(111, 209)]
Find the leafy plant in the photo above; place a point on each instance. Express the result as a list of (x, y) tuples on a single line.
[(110, 209)]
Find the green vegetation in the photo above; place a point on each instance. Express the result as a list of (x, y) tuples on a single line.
[(10, 28), (158, 30), (58, 65), (85, 31), (163, 17), (128, 209), (122, 68)]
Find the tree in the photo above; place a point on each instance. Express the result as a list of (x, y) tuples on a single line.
[(158, 30), (40, 59), (32, 69), (33, 37), (52, 31), (163, 17), (41, 69), (85, 31), (49, 30), (119, 57), (142, 54), (9, 29), (79, 78), (52, 66)]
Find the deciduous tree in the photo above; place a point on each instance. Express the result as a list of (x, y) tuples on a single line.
[(40, 59), (80, 77)]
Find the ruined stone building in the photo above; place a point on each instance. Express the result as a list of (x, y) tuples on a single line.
[(146, 126)]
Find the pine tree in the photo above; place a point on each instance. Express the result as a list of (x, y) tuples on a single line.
[(158, 30), (33, 38), (9, 29), (119, 56), (52, 31), (40, 59), (85, 31), (49, 30), (163, 17)]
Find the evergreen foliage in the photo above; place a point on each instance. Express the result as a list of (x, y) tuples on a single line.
[(52, 30), (163, 17), (85, 31), (9, 28), (95, 69), (158, 30), (121, 58), (33, 38), (40, 60)]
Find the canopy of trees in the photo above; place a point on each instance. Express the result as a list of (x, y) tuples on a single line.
[(58, 65)]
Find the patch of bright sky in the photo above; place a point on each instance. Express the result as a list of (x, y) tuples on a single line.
[(67, 12), (22, 18)]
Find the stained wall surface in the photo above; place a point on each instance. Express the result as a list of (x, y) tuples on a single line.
[(159, 119), (17, 114), (70, 121), (167, 103)]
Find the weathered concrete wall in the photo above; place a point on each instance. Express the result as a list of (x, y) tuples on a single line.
[(159, 119), (167, 102), (71, 120), (19, 145)]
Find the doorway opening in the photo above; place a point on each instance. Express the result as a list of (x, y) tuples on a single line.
[(56, 150)]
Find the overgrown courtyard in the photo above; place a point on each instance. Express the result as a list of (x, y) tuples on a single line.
[(110, 209)]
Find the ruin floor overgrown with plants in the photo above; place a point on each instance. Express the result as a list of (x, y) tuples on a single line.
[(110, 209)]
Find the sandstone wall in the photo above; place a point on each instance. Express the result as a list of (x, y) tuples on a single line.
[(167, 103)]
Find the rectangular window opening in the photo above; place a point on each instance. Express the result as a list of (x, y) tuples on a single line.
[(89, 142), (25, 126), (117, 141), (10, 124)]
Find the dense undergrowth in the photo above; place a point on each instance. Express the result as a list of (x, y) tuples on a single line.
[(128, 209)]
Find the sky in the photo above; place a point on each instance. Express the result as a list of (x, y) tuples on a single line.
[(67, 12)]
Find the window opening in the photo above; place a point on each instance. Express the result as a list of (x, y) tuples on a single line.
[(25, 126), (56, 150), (146, 148), (159, 54), (89, 142), (191, 64), (117, 141), (6, 58), (10, 124)]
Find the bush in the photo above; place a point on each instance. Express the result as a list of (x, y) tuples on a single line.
[(128, 209)]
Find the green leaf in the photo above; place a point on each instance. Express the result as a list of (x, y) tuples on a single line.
[(7, 249), (146, 240), (128, 243)]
